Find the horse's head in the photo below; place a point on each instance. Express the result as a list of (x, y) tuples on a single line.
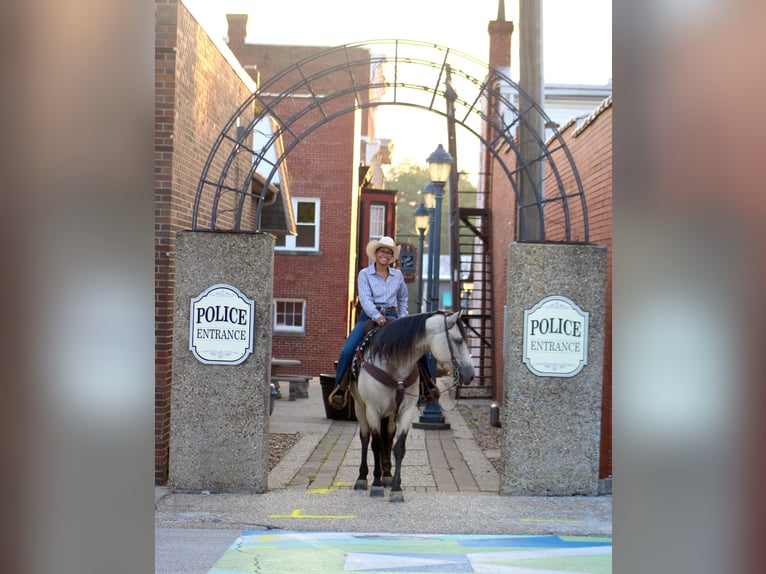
[(448, 344)]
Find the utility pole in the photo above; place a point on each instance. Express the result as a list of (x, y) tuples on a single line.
[(531, 226), (454, 221)]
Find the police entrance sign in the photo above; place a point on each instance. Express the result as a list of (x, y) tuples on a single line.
[(221, 326), (555, 338)]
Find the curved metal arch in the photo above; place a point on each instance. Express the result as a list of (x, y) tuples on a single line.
[(410, 63)]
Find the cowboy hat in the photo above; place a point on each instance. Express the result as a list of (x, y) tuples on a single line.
[(384, 241)]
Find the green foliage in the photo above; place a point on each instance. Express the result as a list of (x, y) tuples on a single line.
[(408, 179)]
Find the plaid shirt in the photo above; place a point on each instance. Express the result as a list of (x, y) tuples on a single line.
[(376, 292)]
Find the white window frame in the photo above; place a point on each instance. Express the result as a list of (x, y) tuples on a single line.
[(281, 328), (379, 218), (290, 239)]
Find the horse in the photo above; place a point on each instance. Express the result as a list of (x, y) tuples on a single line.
[(384, 390)]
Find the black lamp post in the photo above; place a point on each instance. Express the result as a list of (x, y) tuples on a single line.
[(421, 226), (429, 202), (439, 165)]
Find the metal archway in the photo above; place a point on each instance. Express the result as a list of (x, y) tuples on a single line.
[(225, 197), (483, 101)]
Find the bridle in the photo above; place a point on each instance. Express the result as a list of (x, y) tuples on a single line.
[(455, 363)]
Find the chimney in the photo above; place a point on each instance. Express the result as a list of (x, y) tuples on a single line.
[(500, 32), (237, 30)]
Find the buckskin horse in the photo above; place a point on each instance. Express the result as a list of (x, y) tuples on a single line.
[(385, 388)]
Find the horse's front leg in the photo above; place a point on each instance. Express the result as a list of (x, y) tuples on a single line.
[(387, 430), (377, 472), (396, 483), (407, 416), (364, 437)]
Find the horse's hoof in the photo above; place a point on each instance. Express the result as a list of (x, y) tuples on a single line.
[(377, 492), (397, 496), (387, 480), (360, 484)]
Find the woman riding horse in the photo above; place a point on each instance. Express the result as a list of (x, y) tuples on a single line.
[(385, 390), (383, 296)]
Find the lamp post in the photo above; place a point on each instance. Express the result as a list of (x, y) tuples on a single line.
[(439, 165), (429, 202), (421, 226)]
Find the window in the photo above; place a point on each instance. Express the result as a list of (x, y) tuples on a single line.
[(307, 225), (289, 316), (377, 221)]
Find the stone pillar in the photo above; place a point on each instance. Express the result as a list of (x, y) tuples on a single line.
[(219, 424), (551, 424)]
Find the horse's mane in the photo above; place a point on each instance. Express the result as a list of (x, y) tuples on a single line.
[(396, 338)]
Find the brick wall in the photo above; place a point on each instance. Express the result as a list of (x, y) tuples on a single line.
[(321, 167), (592, 152), (196, 91), (591, 149), (323, 164)]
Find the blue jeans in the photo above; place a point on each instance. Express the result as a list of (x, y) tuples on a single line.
[(354, 338)]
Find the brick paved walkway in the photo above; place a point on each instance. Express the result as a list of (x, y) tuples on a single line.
[(436, 460)]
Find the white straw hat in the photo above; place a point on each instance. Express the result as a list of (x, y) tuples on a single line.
[(384, 241)]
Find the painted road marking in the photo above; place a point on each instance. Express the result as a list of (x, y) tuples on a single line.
[(286, 552), (298, 513)]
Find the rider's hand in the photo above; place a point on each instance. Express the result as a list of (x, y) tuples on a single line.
[(381, 320)]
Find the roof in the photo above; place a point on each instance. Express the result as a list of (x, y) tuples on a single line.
[(605, 104), (582, 123)]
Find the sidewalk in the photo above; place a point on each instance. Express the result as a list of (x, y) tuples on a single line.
[(450, 487), (436, 460)]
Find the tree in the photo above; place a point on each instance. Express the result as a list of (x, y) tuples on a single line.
[(408, 179)]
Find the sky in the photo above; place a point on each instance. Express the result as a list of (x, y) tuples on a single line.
[(577, 39)]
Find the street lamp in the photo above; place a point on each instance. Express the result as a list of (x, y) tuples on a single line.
[(439, 166), (428, 195), (428, 200), (421, 226)]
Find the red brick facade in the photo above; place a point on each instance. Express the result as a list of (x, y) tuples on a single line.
[(198, 87), (323, 166), (591, 148), (590, 144), (196, 91)]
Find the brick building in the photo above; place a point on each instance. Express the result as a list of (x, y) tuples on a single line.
[(589, 141), (199, 84), (315, 272), (196, 86)]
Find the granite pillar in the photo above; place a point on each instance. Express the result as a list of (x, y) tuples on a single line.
[(219, 412), (551, 424)]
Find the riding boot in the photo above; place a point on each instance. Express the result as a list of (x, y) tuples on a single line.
[(338, 399)]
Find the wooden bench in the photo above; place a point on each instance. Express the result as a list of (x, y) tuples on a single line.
[(299, 385)]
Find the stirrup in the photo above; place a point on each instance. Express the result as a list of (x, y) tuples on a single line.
[(338, 398)]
